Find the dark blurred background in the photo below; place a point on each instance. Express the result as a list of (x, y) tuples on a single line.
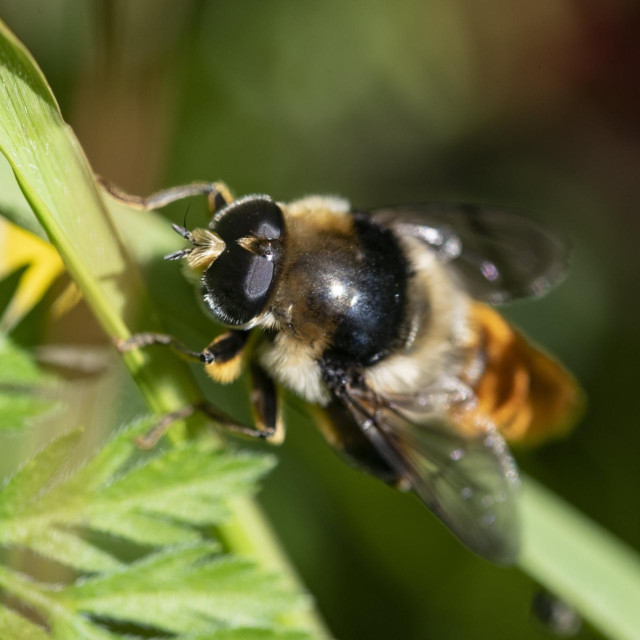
[(530, 105)]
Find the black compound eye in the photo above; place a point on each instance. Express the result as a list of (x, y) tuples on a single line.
[(258, 216), (237, 285)]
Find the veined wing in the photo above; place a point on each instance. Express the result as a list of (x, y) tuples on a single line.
[(470, 483), (496, 255)]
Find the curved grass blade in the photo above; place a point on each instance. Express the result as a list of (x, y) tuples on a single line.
[(53, 174)]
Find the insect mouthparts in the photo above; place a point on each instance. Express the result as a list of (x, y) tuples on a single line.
[(185, 233), (176, 255), (207, 246)]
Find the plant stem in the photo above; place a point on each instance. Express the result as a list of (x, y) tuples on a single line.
[(56, 179)]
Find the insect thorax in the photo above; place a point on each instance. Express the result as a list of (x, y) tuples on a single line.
[(343, 290)]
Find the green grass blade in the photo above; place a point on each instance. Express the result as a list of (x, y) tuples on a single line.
[(580, 562), (51, 171), (54, 176), (13, 205)]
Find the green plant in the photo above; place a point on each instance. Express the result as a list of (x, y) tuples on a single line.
[(57, 503), (562, 549), (42, 507)]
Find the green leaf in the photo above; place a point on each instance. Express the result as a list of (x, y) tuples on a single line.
[(8, 287), (33, 476), (185, 590), (25, 392), (65, 547), (13, 205), (156, 498), (16, 367), (55, 178), (15, 627), (38, 145), (251, 634)]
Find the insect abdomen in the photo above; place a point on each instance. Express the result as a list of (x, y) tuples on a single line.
[(344, 434), (526, 393)]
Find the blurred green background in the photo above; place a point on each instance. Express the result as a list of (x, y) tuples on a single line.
[(528, 105)]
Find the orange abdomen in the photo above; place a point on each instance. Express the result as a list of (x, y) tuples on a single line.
[(525, 392)]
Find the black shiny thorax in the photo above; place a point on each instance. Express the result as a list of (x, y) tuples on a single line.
[(346, 290)]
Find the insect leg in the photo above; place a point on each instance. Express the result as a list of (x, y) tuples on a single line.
[(265, 405), (217, 193), (223, 362), (148, 338), (151, 438), (266, 410), (222, 358)]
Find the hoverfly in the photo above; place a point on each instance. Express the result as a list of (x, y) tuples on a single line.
[(381, 320)]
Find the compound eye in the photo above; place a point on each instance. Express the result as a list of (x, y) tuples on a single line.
[(257, 216), (237, 285)]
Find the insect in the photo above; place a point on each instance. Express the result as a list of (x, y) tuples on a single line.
[(381, 321)]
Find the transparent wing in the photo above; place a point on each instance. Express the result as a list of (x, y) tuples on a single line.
[(496, 255), (470, 483)]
